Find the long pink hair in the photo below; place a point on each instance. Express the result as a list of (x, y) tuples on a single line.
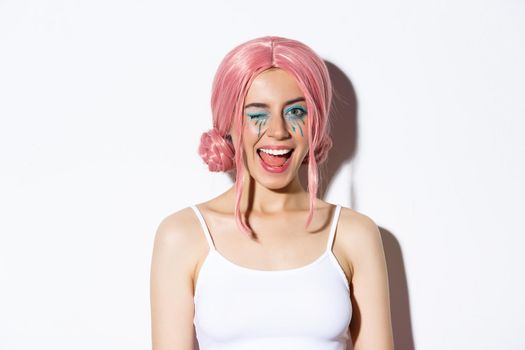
[(231, 83)]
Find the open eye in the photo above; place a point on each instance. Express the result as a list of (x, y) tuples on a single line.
[(296, 112)]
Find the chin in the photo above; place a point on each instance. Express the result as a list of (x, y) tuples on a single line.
[(273, 184)]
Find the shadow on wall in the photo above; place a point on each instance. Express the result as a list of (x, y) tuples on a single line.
[(344, 135)]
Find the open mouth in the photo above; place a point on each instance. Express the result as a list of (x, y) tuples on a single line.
[(275, 158)]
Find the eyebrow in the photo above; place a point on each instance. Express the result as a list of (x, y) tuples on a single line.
[(264, 105)]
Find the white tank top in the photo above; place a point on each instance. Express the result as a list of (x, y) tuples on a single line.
[(240, 308)]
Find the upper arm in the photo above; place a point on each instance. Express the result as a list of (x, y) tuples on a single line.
[(371, 326), (171, 286)]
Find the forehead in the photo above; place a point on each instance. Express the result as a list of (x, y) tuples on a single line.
[(273, 86)]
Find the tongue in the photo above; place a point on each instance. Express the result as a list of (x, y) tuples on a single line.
[(274, 161)]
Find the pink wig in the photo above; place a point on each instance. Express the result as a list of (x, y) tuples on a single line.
[(231, 83)]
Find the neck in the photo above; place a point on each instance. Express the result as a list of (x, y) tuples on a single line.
[(258, 198)]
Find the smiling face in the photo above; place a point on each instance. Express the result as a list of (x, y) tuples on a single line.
[(275, 132)]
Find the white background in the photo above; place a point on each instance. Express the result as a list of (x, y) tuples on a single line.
[(102, 104)]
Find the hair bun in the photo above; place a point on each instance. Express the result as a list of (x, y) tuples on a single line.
[(216, 151)]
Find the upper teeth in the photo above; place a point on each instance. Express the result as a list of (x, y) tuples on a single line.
[(276, 152)]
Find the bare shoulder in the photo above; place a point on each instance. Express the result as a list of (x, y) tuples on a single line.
[(178, 226), (359, 237), (357, 224), (171, 281), (177, 235)]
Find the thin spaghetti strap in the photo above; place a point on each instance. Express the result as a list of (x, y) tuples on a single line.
[(335, 220), (204, 226)]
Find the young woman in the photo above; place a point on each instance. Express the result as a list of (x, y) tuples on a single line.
[(267, 264)]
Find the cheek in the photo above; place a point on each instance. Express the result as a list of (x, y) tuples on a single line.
[(298, 127), (256, 126), (250, 137)]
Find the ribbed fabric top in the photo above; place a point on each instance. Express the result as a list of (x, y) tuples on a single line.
[(240, 308)]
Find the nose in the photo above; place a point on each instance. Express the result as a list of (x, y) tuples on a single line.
[(278, 128)]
